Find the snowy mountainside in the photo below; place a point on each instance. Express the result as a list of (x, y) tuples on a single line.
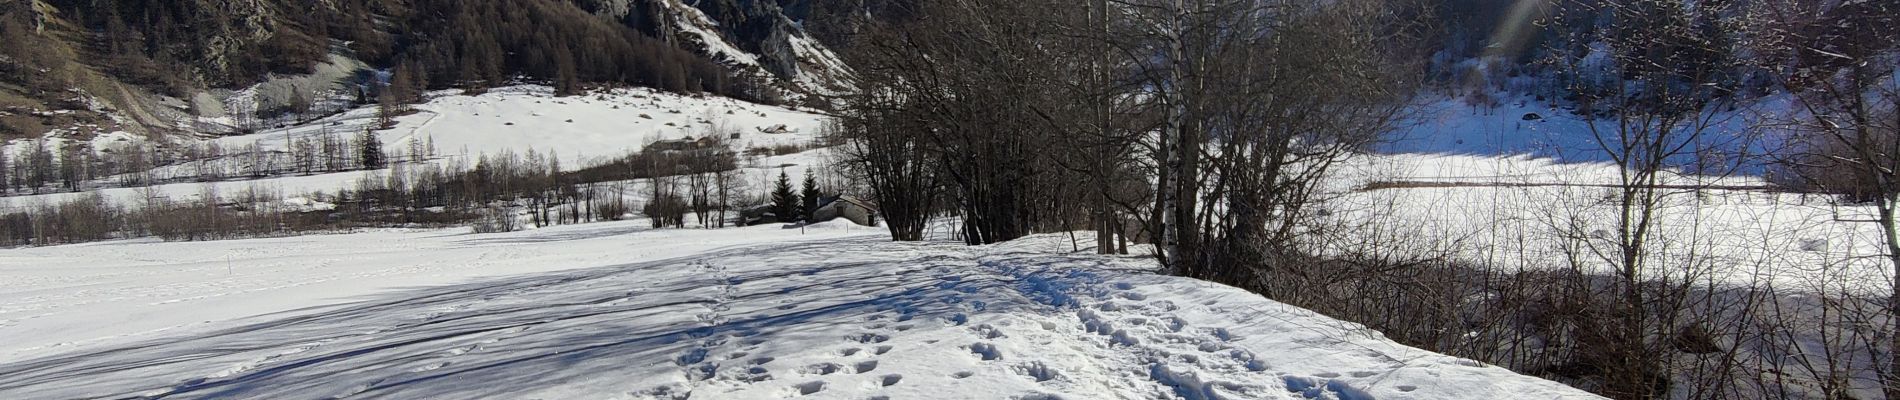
[(835, 314), (593, 126), (754, 37), (238, 66), (579, 129)]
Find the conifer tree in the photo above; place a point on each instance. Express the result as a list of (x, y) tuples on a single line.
[(811, 196), (370, 150), (784, 202)]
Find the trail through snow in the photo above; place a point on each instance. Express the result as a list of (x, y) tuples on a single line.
[(848, 317)]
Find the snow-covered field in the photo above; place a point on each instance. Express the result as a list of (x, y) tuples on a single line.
[(1451, 126), (1525, 212), (615, 310)]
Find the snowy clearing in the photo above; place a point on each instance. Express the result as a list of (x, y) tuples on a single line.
[(1516, 212), (619, 311)]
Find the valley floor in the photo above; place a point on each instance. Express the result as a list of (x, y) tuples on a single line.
[(615, 310)]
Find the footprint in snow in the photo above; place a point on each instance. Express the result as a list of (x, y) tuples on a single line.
[(988, 352), (807, 388), (988, 332), (1036, 370), (755, 375), (868, 338), (821, 369), (1164, 305), (1222, 334), (691, 357)]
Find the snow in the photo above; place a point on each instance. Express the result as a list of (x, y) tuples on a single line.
[(1487, 186), (616, 310), (580, 129), (820, 71), (1452, 126), (1523, 212), (698, 25), (602, 125)]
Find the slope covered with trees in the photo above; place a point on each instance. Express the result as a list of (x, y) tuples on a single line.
[(181, 48)]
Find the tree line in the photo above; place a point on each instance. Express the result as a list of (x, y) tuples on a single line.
[(40, 166), (696, 178)]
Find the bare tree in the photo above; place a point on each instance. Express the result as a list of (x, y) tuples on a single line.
[(1653, 87), (1258, 101), (1837, 62)]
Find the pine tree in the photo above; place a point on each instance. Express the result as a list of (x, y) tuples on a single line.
[(5, 180), (784, 202), (567, 80), (811, 196), (39, 165), (370, 149)]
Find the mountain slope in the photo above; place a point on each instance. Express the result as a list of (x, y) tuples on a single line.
[(754, 35), (220, 66)]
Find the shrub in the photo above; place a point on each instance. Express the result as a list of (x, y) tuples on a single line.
[(611, 210), (666, 210), (496, 219)]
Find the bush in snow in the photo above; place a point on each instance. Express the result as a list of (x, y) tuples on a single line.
[(495, 219)]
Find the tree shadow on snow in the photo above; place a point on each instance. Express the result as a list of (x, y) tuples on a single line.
[(613, 324)]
